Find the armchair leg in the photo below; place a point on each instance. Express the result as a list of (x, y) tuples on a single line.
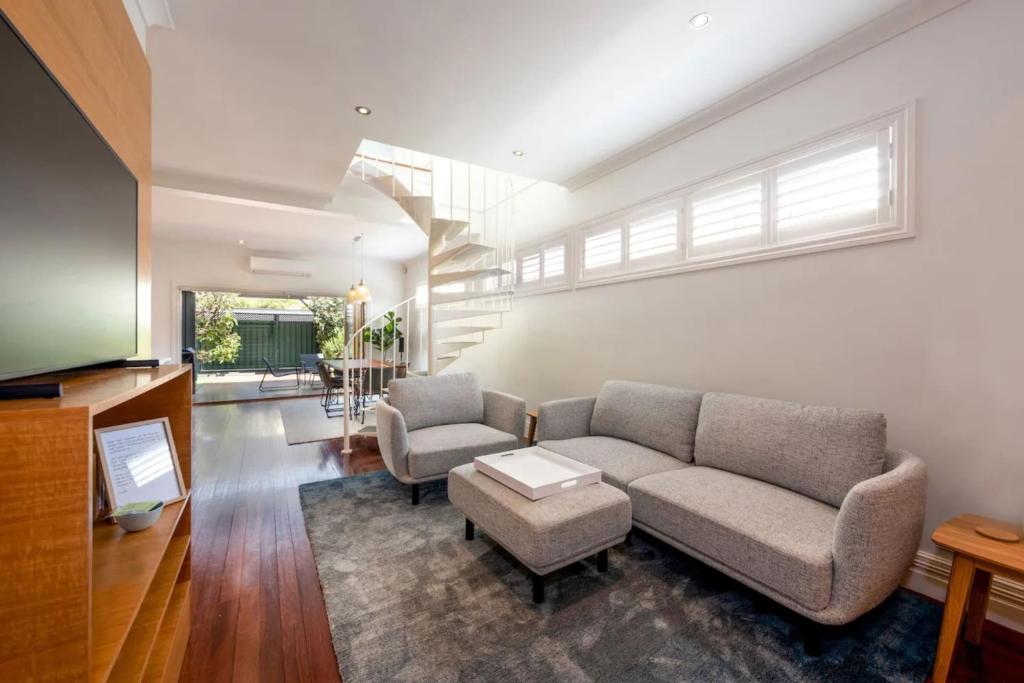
[(264, 379), (538, 588), (470, 529), (415, 494)]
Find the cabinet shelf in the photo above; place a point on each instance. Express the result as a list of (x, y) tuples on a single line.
[(120, 568), (83, 599)]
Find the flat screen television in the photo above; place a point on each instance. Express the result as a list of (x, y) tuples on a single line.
[(68, 228)]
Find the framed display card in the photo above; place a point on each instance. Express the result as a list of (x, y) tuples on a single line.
[(139, 462)]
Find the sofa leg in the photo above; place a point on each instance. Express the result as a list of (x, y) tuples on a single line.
[(470, 529), (415, 494), (602, 560), (810, 636), (538, 588)]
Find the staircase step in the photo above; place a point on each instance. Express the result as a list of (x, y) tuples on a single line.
[(449, 332), (457, 346), (438, 298), (459, 275), (464, 253), (442, 362), (393, 187), (443, 229), (446, 314), (420, 208)]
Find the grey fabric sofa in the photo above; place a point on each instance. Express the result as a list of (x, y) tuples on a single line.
[(431, 424), (805, 504)]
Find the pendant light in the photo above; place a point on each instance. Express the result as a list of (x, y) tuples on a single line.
[(352, 297), (361, 290)]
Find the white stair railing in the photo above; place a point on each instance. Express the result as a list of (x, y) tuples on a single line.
[(365, 364), (466, 211)]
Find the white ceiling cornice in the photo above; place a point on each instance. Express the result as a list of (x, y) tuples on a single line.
[(858, 41)]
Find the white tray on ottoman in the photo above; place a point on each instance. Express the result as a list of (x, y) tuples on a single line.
[(536, 472)]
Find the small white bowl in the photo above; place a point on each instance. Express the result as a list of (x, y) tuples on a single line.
[(139, 520)]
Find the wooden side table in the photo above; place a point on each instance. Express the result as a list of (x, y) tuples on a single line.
[(975, 559), (531, 432)]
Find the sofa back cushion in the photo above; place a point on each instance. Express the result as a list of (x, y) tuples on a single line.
[(814, 450), (437, 400), (659, 417)]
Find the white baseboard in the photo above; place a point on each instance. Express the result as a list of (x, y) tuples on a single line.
[(929, 574)]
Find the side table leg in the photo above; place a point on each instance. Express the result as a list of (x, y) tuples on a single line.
[(977, 608), (952, 618)]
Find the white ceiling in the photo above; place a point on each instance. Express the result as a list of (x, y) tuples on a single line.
[(256, 96), (254, 99)]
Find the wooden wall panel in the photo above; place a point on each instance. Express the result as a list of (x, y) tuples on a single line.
[(91, 49)]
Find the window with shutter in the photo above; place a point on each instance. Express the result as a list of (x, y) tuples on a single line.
[(727, 218), (835, 190), (850, 187), (654, 237), (529, 268), (602, 250), (554, 263)]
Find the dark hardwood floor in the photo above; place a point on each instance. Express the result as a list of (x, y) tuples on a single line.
[(258, 613)]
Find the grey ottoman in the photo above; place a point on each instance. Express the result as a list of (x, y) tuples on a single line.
[(545, 534)]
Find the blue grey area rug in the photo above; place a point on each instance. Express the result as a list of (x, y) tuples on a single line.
[(408, 599)]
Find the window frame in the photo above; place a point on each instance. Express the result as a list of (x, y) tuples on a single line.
[(544, 283), (898, 224)]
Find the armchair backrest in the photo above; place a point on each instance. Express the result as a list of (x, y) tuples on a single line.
[(437, 400)]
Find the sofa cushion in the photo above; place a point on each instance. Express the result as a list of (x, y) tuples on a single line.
[(435, 450), (437, 400), (818, 451), (776, 537), (620, 461), (659, 417)]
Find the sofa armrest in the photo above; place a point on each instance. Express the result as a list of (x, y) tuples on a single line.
[(393, 440), (565, 418), (505, 412), (877, 534)]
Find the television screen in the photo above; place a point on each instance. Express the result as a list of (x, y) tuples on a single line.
[(68, 219)]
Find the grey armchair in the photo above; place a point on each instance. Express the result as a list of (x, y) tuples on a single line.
[(428, 425)]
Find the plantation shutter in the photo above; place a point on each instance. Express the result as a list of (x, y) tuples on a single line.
[(554, 263), (653, 235), (529, 268), (728, 217), (842, 188), (602, 249)]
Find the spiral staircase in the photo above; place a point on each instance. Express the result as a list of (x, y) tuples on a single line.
[(470, 252)]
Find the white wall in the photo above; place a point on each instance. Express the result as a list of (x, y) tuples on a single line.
[(218, 267), (929, 330)]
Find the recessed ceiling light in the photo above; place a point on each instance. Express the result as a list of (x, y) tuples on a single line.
[(365, 111), (517, 152), (699, 21), (241, 241)]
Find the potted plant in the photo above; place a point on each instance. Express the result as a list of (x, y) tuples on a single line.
[(385, 336)]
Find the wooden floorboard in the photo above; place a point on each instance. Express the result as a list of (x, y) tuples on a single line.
[(257, 610)]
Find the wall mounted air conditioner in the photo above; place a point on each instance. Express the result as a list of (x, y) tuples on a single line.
[(264, 265)]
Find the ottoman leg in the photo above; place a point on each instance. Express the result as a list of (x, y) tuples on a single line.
[(469, 529), (602, 560), (538, 588)]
